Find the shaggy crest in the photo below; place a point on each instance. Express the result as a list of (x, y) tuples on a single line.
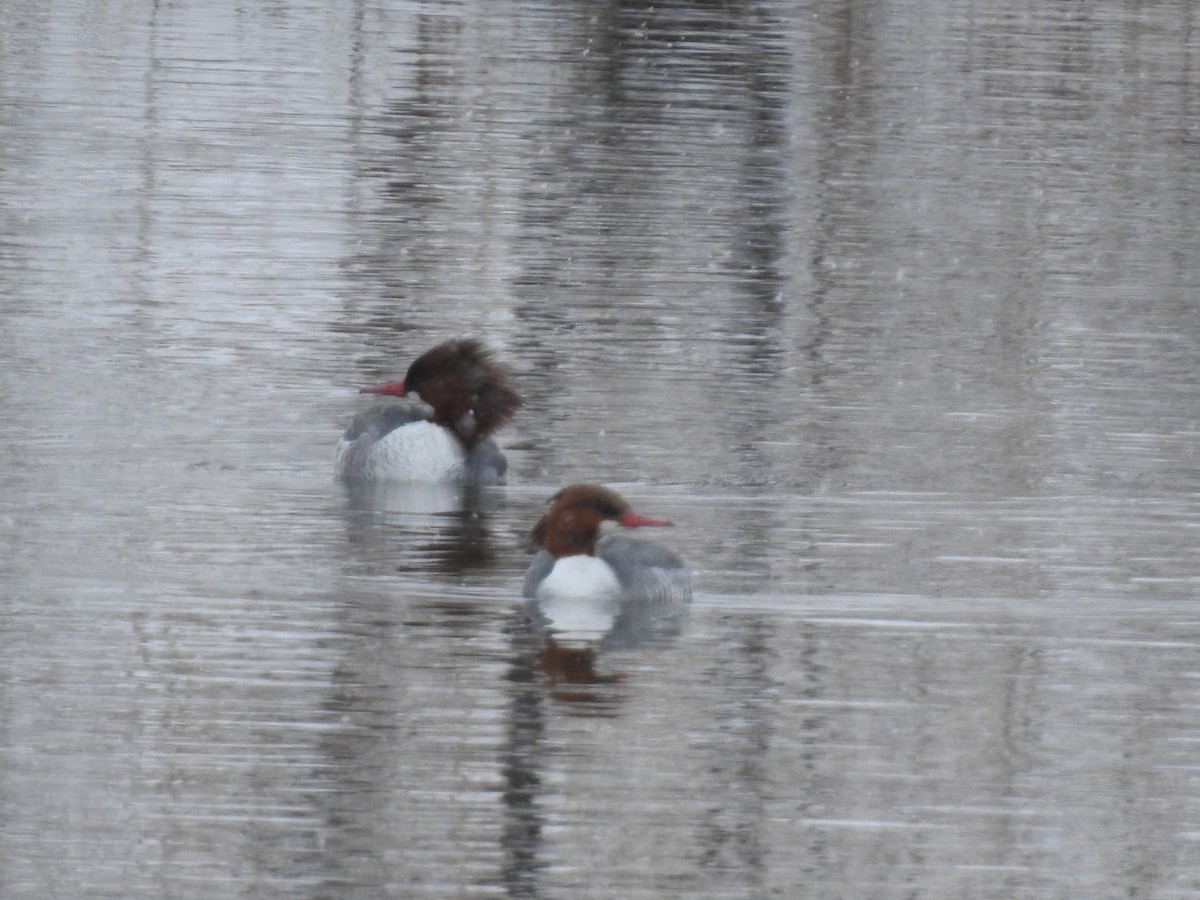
[(467, 388)]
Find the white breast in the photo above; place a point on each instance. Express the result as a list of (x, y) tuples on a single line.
[(420, 453), (579, 597)]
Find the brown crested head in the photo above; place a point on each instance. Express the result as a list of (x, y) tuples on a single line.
[(572, 523), (467, 388)]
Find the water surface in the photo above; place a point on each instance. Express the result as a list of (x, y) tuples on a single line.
[(890, 308)]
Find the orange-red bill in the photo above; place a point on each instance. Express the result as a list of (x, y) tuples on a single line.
[(395, 389), (630, 519)]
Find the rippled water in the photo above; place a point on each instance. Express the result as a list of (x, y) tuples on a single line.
[(891, 308)]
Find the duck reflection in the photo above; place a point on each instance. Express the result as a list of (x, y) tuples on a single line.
[(440, 528), (569, 655)]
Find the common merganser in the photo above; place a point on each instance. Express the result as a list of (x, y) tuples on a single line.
[(470, 396), (581, 580)]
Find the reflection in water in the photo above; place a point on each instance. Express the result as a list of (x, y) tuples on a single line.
[(522, 764), (571, 664), (543, 667), (569, 659), (423, 527), (732, 830)]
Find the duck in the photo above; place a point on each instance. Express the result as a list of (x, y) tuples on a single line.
[(468, 396), (581, 580)]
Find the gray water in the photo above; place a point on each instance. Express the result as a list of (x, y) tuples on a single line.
[(892, 308)]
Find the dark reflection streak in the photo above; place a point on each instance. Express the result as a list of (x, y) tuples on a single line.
[(601, 117), (1189, 141), (813, 344), (363, 748), (351, 807), (145, 228), (835, 202), (815, 734), (359, 754), (924, 745), (765, 182), (836, 120), (732, 837), (356, 106), (421, 135), (1005, 704), (521, 837), (1018, 702), (758, 249), (613, 126)]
